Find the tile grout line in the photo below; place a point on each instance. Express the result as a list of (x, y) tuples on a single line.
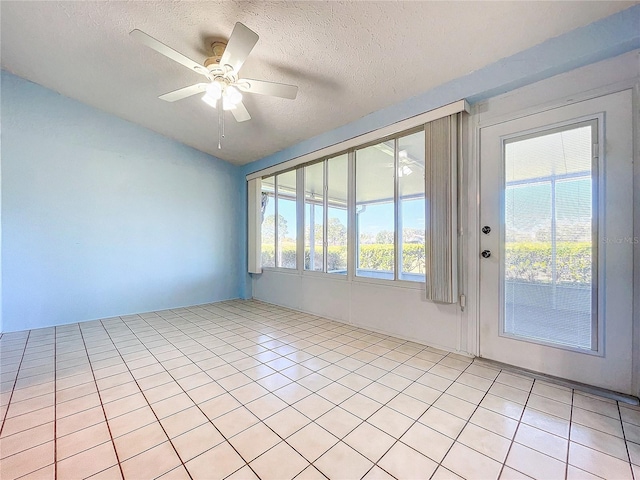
[(295, 381), (55, 403), (362, 349), (313, 421), (566, 464), (184, 391), (396, 440), (15, 382), (286, 334), (104, 413), (398, 392), (229, 392), (261, 421), (148, 404), (626, 445), (513, 439), (467, 421), (334, 381), (427, 409), (42, 395)]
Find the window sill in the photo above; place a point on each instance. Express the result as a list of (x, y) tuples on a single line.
[(390, 283), (402, 284)]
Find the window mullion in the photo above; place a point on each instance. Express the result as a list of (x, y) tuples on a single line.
[(325, 214), (396, 234), (300, 194), (351, 216), (275, 222)]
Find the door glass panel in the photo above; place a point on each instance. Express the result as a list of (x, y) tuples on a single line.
[(549, 255)]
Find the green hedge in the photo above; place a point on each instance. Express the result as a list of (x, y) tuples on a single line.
[(336, 258), (525, 261), (372, 257), (380, 257), (288, 254), (531, 262)]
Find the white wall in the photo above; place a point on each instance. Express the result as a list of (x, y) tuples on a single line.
[(401, 311), (101, 217)]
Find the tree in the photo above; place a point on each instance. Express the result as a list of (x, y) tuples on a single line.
[(384, 236), (268, 228), (366, 238), (413, 235), (336, 232), (317, 232)]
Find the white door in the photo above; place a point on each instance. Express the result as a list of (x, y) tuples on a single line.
[(556, 266)]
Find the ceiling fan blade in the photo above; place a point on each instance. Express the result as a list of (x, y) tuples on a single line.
[(160, 47), (262, 87), (240, 44), (240, 113), (184, 92)]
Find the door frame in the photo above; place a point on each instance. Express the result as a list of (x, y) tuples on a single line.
[(596, 80)]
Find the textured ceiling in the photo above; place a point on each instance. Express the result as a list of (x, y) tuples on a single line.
[(348, 58)]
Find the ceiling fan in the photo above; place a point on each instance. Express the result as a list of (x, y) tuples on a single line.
[(224, 87)]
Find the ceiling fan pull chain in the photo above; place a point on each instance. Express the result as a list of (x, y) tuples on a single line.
[(222, 116), (220, 123)]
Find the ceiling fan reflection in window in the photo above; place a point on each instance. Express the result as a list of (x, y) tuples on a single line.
[(224, 88)]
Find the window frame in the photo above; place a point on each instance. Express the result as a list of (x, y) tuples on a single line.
[(277, 213), (396, 207), (275, 227), (325, 214)]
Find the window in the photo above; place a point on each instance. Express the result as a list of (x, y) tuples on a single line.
[(411, 226), (374, 195), (337, 187), (390, 209), (279, 237), (325, 207), (268, 222), (375, 211), (314, 217), (286, 226)]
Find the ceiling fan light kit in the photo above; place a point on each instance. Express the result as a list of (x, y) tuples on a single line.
[(229, 94), (224, 89)]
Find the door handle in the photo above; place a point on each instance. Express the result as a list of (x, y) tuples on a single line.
[(486, 253)]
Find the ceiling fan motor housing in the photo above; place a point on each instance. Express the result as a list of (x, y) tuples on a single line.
[(217, 48)]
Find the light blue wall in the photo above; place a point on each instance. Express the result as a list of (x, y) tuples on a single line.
[(606, 38), (101, 217)]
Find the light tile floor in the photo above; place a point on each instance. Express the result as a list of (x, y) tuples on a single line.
[(243, 389)]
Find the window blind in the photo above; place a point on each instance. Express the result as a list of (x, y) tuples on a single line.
[(441, 222)]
